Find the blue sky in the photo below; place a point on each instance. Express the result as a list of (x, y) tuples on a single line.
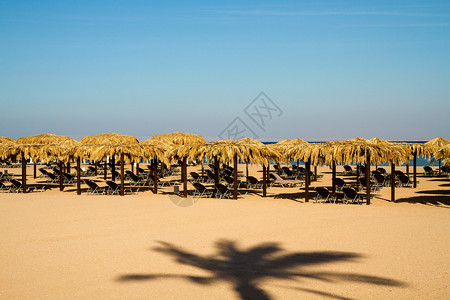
[(337, 69)]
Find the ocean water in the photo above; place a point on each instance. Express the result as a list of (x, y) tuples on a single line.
[(420, 161)]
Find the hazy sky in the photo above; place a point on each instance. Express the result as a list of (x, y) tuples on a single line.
[(334, 69)]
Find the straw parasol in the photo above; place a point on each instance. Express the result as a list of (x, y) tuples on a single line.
[(157, 151), (246, 150), (33, 146), (434, 145), (181, 142), (6, 139), (443, 152), (98, 147)]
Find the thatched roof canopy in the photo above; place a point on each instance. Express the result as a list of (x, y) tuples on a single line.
[(6, 139), (443, 153), (109, 139), (244, 150), (434, 145), (179, 138), (8, 148), (43, 146)]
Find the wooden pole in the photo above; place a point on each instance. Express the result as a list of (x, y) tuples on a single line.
[(113, 168), (68, 167), (235, 166), (264, 182), (307, 179), (137, 168), (333, 176), (155, 176), (414, 168), (392, 182), (367, 179), (24, 173), (315, 173), (122, 174), (96, 169), (34, 170), (106, 170), (78, 176), (246, 170), (407, 168), (216, 170), (61, 176), (439, 167), (132, 167), (184, 178)]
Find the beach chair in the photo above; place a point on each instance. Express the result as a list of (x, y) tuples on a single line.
[(382, 171), (221, 191), (279, 181), (94, 188), (68, 178), (211, 177), (197, 177), (200, 190), (348, 170), (4, 188), (52, 178), (113, 188), (339, 183), (16, 187), (44, 173), (380, 181), (428, 171), (404, 181), (230, 182), (253, 183), (322, 194), (350, 195)]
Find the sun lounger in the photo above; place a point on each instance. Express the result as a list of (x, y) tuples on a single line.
[(94, 188), (350, 195), (200, 190), (278, 181), (254, 183), (323, 194)]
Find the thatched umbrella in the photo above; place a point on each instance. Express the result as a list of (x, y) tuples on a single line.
[(229, 151), (397, 153), (434, 145), (249, 141), (182, 139), (315, 154), (32, 146), (443, 152), (6, 139), (156, 150), (111, 144)]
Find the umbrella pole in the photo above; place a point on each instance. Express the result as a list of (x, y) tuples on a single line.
[(132, 167), (106, 169), (216, 167), (368, 179), (308, 170), (122, 174), (264, 182), (24, 174), (61, 187), (414, 169), (68, 167), (235, 177), (78, 176), (407, 168), (333, 172), (96, 169), (155, 176), (203, 170), (315, 173), (357, 174), (246, 170), (439, 167), (34, 170), (113, 168), (137, 168), (392, 182), (184, 178)]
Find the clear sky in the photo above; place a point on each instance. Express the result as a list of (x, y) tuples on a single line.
[(336, 69)]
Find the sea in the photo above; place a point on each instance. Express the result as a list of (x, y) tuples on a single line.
[(420, 161)]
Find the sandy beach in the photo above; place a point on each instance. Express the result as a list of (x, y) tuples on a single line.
[(57, 245)]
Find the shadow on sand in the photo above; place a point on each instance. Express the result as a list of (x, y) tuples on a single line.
[(246, 269)]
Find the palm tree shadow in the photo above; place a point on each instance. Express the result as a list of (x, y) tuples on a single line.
[(246, 269)]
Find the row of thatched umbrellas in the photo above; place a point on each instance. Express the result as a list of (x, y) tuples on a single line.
[(180, 146)]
